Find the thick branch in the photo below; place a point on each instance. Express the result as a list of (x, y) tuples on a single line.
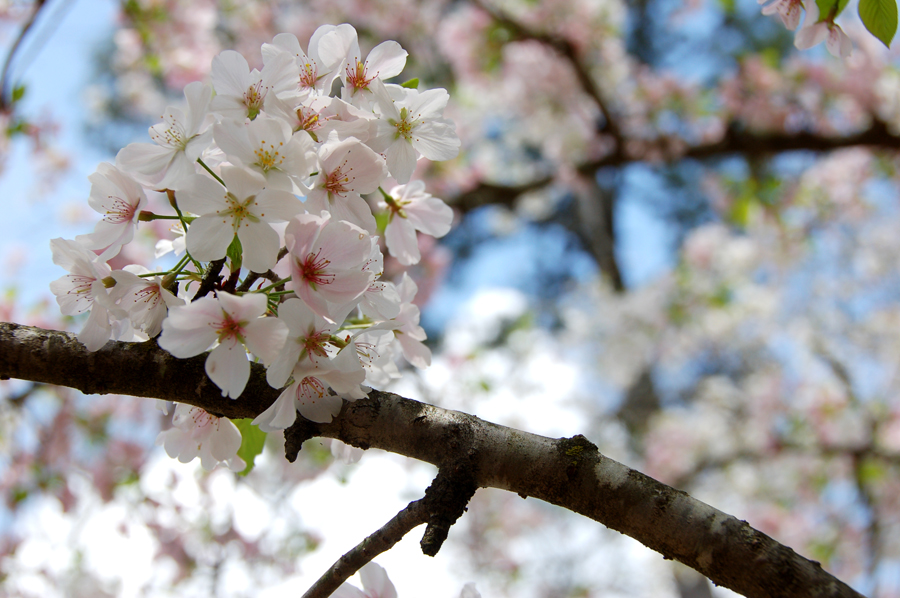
[(570, 473)]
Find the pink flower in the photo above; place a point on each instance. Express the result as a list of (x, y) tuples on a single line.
[(143, 298), (408, 332), (242, 93), (410, 127), (317, 70), (197, 433), (267, 146), (788, 10), (327, 258), (120, 199), (347, 169), (815, 32)]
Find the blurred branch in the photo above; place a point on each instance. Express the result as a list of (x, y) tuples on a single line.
[(6, 99), (565, 48), (735, 141), (568, 472)]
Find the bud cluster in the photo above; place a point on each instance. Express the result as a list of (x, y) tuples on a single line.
[(279, 254)]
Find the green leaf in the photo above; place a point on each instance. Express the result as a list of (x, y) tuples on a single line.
[(829, 9), (252, 441), (411, 84), (18, 93), (880, 18), (235, 253)]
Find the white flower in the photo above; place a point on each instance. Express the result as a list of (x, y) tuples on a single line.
[(197, 433), (84, 288), (408, 332), (413, 209), (232, 322), (180, 139), (347, 169), (788, 10), (269, 147), (411, 127), (815, 32), (145, 300), (316, 72), (308, 347), (120, 199), (381, 300), (386, 60), (245, 209), (312, 394), (375, 581), (327, 258), (320, 115), (240, 92), (176, 245)]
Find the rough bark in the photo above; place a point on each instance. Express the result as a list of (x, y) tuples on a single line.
[(569, 472)]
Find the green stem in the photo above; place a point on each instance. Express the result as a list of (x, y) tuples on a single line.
[(273, 285), (209, 170)]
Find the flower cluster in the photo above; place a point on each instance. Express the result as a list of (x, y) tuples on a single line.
[(266, 173)]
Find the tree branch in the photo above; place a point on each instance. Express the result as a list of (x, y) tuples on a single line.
[(735, 141), (568, 472), (415, 514)]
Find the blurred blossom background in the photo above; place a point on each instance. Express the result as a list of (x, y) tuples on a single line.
[(674, 234)]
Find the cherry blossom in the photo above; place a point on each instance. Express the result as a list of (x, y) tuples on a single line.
[(145, 300), (375, 581), (196, 433), (309, 344), (244, 208), (347, 169), (787, 10), (240, 92), (268, 146), (316, 74), (411, 209), (410, 127), (120, 199), (386, 60), (83, 289), (180, 139), (231, 323), (408, 332), (327, 258), (815, 31)]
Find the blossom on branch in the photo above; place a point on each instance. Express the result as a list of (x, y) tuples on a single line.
[(234, 324)]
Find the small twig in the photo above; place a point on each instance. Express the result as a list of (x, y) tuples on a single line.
[(415, 514), (444, 502), (211, 279)]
